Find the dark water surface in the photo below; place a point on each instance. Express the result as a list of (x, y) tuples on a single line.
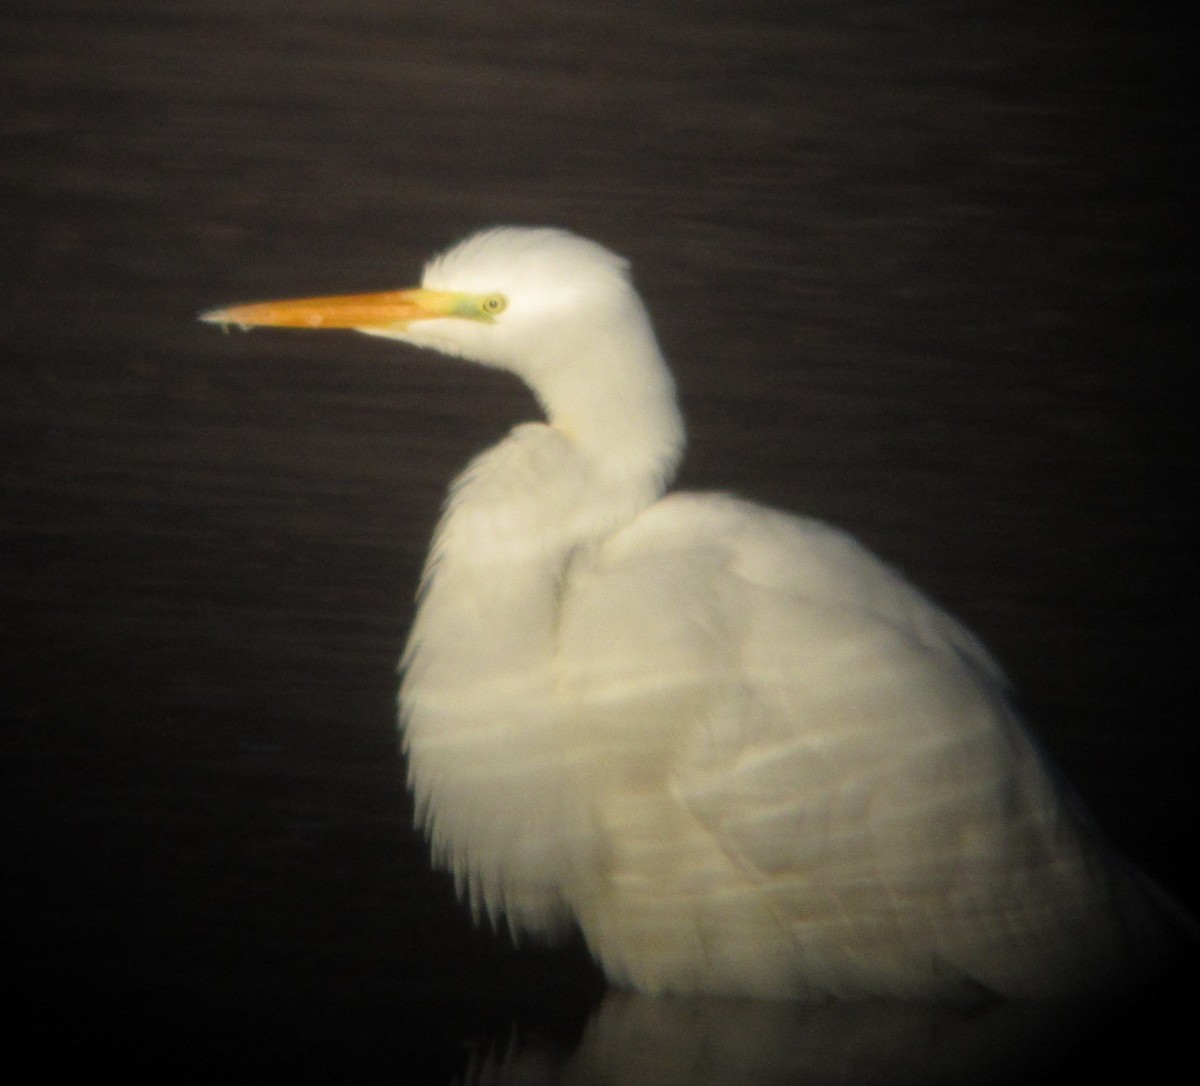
[(920, 269)]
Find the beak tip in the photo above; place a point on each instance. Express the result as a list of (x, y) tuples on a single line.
[(223, 318)]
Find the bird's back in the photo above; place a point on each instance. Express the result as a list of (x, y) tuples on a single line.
[(817, 774)]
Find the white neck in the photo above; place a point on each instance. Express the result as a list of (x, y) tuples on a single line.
[(481, 683), (614, 398)]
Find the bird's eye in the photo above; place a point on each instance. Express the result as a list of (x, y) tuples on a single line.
[(493, 304)]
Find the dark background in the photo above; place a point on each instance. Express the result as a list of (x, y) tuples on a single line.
[(921, 269)]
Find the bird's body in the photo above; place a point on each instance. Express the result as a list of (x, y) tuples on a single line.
[(738, 751)]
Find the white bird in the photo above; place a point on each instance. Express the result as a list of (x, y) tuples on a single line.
[(742, 754)]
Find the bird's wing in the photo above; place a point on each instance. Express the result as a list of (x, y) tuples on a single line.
[(859, 760)]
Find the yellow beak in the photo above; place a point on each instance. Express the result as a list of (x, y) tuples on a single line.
[(393, 309)]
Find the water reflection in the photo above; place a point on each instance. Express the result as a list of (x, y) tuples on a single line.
[(634, 1040)]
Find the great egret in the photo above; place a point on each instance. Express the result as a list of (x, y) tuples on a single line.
[(741, 753)]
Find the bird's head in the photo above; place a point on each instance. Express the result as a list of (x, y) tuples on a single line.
[(524, 299)]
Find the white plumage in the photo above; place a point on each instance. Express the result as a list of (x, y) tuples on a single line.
[(742, 754)]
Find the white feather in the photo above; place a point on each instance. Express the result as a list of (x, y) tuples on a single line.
[(742, 754)]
